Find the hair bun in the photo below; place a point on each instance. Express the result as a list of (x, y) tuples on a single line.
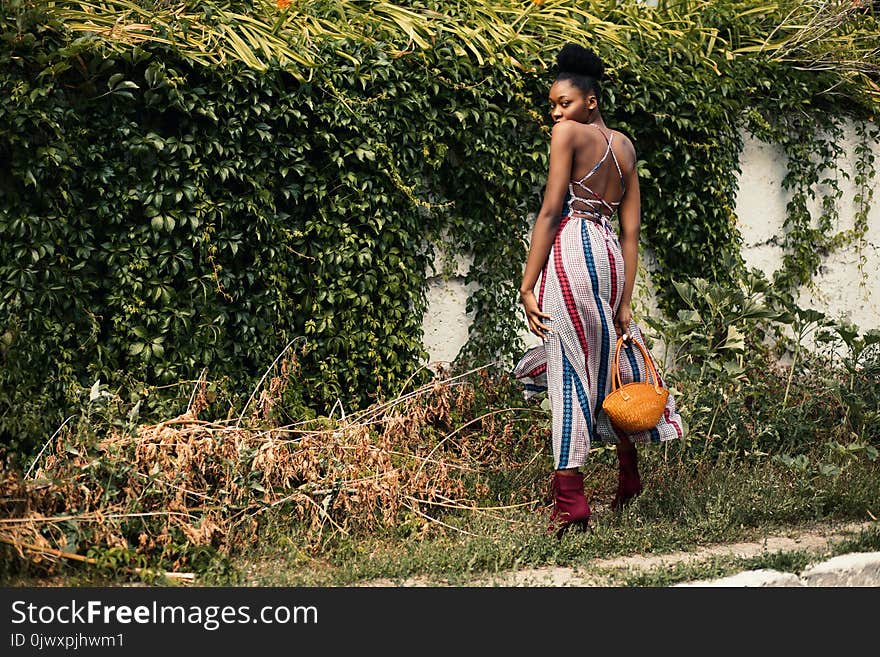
[(574, 58)]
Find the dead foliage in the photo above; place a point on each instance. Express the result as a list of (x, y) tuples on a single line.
[(159, 490)]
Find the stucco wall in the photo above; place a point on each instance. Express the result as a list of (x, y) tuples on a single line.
[(840, 289)]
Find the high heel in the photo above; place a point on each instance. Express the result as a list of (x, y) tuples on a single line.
[(629, 483), (570, 504)]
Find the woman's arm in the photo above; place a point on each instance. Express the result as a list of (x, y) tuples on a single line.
[(547, 222), (630, 213)]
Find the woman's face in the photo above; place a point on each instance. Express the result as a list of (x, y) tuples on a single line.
[(568, 103)]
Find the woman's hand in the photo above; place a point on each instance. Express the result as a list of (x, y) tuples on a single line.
[(622, 320), (534, 316)]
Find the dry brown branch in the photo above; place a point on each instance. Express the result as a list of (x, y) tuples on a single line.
[(96, 517), (474, 507), (48, 442), (467, 424), (186, 577), (266, 373), (385, 406), (184, 482), (440, 522)]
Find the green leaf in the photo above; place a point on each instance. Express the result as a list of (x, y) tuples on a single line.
[(734, 340), (135, 412)]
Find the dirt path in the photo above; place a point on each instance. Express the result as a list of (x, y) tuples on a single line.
[(605, 572)]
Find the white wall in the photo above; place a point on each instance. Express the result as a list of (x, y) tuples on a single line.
[(839, 290), (446, 324)]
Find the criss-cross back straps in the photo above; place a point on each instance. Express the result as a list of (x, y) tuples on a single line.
[(598, 200)]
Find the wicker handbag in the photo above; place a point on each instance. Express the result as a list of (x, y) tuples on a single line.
[(635, 406)]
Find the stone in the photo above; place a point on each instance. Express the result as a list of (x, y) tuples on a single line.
[(751, 578), (857, 569)]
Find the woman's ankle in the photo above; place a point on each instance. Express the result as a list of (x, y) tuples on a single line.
[(626, 446)]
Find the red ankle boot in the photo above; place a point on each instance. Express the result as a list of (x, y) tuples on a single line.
[(571, 506), (629, 484)]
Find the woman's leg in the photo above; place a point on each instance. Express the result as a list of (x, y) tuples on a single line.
[(570, 503), (629, 484)]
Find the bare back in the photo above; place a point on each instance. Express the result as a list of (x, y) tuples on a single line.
[(601, 161)]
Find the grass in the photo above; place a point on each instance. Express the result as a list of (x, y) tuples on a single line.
[(683, 508), (281, 563)]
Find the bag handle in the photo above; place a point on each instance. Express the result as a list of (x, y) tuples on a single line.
[(615, 365)]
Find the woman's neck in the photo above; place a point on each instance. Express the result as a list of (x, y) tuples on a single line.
[(599, 121)]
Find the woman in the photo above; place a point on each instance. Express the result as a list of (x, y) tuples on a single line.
[(587, 279)]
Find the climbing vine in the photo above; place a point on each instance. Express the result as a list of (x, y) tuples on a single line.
[(863, 178), (169, 209)]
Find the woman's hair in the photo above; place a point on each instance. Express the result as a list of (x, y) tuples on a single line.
[(580, 66)]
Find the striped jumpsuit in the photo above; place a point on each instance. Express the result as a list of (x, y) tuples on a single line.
[(581, 287)]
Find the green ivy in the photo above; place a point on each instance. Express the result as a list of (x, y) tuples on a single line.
[(159, 217)]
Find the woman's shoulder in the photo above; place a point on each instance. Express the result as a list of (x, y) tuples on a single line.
[(566, 129), (623, 139), (574, 133)]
